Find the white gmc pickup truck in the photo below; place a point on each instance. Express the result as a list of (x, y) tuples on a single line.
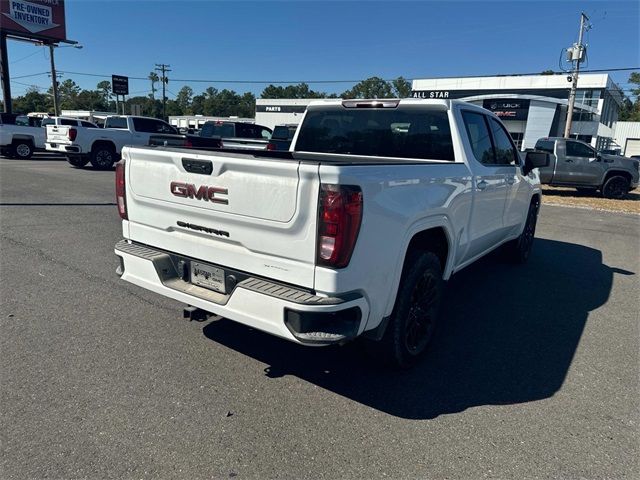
[(19, 137), (102, 146), (351, 233)]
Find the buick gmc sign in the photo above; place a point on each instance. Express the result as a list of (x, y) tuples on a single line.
[(508, 108)]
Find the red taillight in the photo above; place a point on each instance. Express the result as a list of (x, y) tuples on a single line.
[(339, 217), (72, 134), (121, 190), (187, 143), (271, 146)]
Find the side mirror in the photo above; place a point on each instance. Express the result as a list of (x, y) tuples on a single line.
[(535, 160)]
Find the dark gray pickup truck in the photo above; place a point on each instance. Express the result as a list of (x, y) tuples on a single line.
[(577, 164)]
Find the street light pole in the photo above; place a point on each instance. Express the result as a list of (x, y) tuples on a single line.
[(54, 80)]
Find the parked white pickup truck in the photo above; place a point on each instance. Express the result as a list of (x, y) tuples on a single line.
[(349, 234), (102, 146), (19, 137), (69, 121)]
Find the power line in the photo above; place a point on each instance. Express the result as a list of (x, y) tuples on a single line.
[(32, 75), (99, 75), (285, 82), (24, 58)]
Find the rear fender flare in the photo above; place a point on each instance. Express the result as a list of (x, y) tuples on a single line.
[(439, 221), (103, 142)]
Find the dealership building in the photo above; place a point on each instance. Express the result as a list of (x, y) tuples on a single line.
[(535, 106), (531, 106), (280, 111)]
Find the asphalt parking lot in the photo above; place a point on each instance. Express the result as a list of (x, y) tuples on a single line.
[(535, 372)]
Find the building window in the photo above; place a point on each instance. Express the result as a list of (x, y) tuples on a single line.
[(588, 97), (583, 138), (582, 116), (517, 139)]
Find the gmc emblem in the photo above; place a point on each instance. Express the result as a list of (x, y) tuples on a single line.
[(208, 194)]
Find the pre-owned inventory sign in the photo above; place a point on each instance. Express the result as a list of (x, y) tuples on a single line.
[(39, 19)]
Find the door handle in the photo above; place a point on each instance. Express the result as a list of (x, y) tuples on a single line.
[(482, 185)]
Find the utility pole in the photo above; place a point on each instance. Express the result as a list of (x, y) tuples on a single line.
[(163, 68), (54, 80), (576, 55), (4, 73)]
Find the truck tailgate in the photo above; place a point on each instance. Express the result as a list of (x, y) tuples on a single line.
[(58, 134), (246, 213)]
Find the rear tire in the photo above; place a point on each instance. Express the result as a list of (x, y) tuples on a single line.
[(415, 314), (22, 149), (78, 162), (616, 187), (519, 249), (103, 157)]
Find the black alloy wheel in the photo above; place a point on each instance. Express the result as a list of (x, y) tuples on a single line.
[(420, 318), (616, 187), (103, 158)]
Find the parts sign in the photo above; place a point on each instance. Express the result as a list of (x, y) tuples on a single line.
[(33, 19)]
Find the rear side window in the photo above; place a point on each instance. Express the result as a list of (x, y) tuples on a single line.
[(87, 124), (479, 137), (246, 131), (280, 133), (375, 132), (545, 145), (576, 149), (66, 121), (218, 130), (149, 125), (116, 122), (8, 118)]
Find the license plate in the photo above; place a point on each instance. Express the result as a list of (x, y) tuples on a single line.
[(54, 145), (208, 277)]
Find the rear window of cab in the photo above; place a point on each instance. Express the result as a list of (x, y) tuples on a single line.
[(400, 133)]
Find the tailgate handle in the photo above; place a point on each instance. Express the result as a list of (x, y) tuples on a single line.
[(203, 167)]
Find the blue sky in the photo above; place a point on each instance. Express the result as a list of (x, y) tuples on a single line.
[(305, 40)]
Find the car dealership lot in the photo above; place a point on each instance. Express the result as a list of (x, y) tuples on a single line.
[(535, 373)]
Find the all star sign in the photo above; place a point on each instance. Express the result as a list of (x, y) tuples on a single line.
[(34, 19)]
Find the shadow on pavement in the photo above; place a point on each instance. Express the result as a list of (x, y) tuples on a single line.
[(44, 157), (508, 336)]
